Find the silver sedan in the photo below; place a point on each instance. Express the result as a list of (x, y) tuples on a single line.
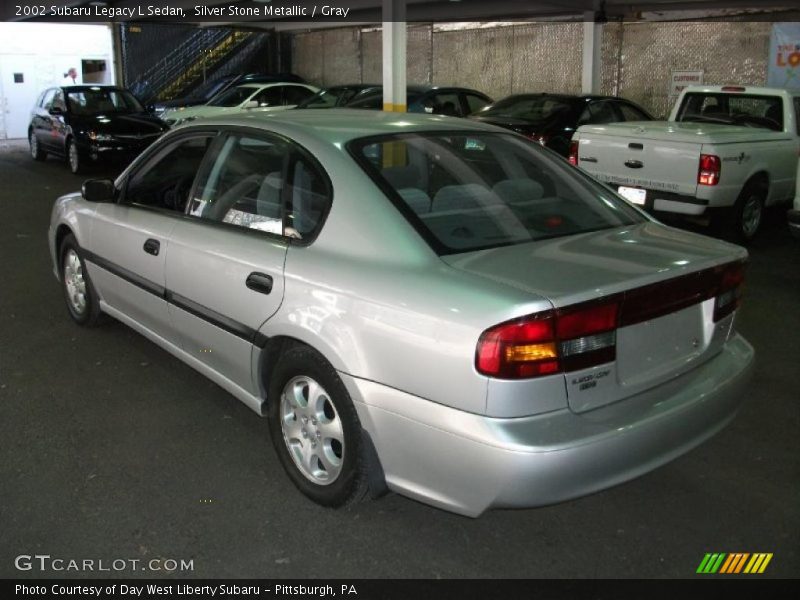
[(417, 303)]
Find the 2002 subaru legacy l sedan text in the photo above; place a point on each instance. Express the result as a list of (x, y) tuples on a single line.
[(428, 304)]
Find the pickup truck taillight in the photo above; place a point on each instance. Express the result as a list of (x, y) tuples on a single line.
[(573, 153), (585, 335), (708, 171)]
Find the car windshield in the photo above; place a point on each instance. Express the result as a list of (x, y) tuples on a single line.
[(734, 109), (530, 108), (466, 191), (97, 100), (330, 98), (233, 97)]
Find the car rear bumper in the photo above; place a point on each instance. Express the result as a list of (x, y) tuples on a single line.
[(793, 216), (467, 463)]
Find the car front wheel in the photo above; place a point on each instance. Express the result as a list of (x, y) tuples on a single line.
[(79, 295), (315, 429), (36, 151), (74, 158)]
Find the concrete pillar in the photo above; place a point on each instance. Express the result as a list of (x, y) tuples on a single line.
[(394, 55), (592, 56)]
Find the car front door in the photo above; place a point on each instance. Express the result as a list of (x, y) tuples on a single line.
[(57, 123), (225, 261), (129, 240)]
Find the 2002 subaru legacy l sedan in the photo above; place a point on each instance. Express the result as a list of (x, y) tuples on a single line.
[(434, 305)]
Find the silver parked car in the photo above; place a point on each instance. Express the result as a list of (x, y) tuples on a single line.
[(431, 305)]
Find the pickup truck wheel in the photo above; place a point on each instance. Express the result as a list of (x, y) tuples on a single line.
[(743, 221), (315, 429)]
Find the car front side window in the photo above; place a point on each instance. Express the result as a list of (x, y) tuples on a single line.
[(165, 181)]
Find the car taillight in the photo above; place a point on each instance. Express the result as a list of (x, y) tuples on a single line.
[(733, 88), (729, 292), (539, 138), (708, 171), (549, 342), (585, 335), (573, 152)]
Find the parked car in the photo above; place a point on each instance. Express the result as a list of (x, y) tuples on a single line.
[(337, 95), (212, 87), (415, 301), (551, 119), (245, 97), (90, 123), (431, 99), (724, 154), (793, 216)]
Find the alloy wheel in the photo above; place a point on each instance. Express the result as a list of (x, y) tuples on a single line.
[(312, 430), (75, 282)]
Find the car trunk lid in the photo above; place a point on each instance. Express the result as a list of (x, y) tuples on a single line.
[(660, 278)]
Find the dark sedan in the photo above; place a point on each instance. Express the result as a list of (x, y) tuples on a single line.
[(551, 119), (431, 99), (338, 95), (86, 124)]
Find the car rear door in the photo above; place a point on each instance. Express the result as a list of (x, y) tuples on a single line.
[(225, 262), (129, 240)]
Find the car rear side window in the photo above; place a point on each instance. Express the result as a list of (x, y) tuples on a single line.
[(631, 113), (471, 190), (264, 184)]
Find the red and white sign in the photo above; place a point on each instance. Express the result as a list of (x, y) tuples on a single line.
[(680, 79)]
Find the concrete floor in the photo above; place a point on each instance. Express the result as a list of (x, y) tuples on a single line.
[(113, 449)]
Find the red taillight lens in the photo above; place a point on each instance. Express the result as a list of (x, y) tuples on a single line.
[(573, 152), (518, 349), (708, 172), (550, 342), (729, 294)]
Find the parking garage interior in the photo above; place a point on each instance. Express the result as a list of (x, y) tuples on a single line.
[(114, 448)]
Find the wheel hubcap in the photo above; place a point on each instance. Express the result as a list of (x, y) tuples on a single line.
[(751, 216), (73, 157), (76, 284), (34, 146), (312, 430)]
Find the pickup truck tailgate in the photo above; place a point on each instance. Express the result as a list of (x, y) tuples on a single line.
[(629, 154)]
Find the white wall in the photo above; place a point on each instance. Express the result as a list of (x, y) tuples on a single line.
[(44, 52)]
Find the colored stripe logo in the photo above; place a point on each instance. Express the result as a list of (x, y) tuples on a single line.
[(733, 563)]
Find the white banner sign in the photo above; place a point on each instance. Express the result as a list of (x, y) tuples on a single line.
[(784, 56)]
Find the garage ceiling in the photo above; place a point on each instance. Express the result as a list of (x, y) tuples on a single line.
[(369, 11)]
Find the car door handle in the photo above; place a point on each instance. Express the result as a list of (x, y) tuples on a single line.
[(259, 282), (152, 246)]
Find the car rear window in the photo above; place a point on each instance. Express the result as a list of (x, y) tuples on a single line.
[(466, 191), (734, 109), (531, 108)]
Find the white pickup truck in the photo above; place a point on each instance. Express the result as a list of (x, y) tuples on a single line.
[(725, 153)]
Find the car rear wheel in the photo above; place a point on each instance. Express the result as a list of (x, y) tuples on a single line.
[(79, 294), (36, 151), (74, 158), (315, 429)]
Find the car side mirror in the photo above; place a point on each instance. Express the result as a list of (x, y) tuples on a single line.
[(98, 190), (251, 104)]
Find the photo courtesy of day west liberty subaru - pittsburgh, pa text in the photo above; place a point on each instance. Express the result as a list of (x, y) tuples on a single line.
[(198, 10)]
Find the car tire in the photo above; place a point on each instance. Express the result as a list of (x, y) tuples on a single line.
[(743, 221), (74, 159), (80, 296), (36, 150), (315, 430)]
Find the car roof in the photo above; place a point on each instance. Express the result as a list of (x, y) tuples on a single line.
[(341, 125)]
